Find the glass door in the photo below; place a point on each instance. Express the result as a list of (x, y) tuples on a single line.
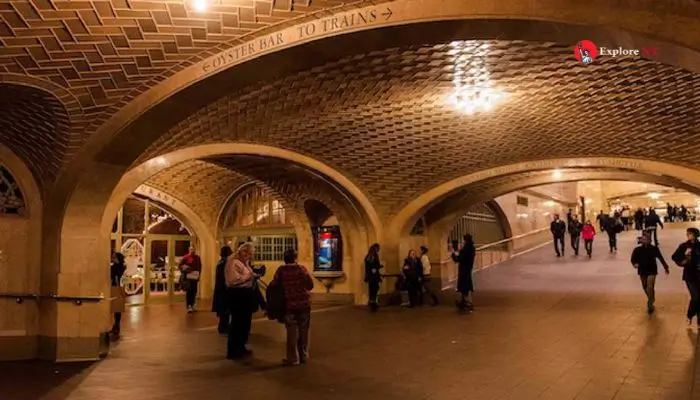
[(159, 270)]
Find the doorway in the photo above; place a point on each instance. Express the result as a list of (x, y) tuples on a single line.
[(153, 242)]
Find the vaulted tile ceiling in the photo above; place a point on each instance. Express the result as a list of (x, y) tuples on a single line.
[(380, 117)]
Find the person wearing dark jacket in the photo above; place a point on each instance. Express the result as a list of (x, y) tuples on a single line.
[(558, 228), (219, 301), (413, 272), (639, 220), (651, 221), (612, 227), (191, 268), (687, 256), (644, 259), (465, 260), (373, 275), (575, 228), (117, 295)]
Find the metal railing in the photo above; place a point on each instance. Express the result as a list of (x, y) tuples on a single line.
[(77, 300), (486, 256)]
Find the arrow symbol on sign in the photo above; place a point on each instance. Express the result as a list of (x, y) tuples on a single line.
[(388, 13)]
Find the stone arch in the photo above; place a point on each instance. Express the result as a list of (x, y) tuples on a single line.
[(19, 240), (502, 217), (409, 213)]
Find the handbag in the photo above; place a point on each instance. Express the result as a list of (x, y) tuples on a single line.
[(194, 275)]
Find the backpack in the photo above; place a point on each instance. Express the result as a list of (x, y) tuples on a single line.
[(276, 301)]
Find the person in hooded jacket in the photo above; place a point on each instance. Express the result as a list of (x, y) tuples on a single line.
[(687, 256)]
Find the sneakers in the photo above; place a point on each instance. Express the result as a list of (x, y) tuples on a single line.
[(190, 309)]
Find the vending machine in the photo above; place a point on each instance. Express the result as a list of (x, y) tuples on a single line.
[(328, 249)]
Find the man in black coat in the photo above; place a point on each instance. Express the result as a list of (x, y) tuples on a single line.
[(687, 256), (644, 259), (558, 228), (575, 228)]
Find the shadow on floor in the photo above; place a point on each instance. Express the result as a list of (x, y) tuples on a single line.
[(48, 380)]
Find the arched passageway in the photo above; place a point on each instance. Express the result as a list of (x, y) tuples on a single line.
[(349, 106)]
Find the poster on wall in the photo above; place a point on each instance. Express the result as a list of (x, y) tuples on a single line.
[(328, 249)]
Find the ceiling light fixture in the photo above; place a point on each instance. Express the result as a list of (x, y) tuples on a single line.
[(473, 91), (200, 5), (556, 174), (654, 196)]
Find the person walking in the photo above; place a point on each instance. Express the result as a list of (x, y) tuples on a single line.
[(425, 282), (219, 300), (651, 223), (465, 285), (575, 228), (588, 234), (191, 268), (117, 295), (612, 227), (373, 276), (413, 272), (296, 285), (687, 256), (644, 259), (639, 220), (243, 301), (558, 229)]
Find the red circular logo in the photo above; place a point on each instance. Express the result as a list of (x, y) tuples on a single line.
[(586, 51)]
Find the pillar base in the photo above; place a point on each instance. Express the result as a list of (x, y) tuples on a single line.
[(73, 349), (13, 348)]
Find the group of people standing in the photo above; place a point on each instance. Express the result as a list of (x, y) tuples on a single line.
[(415, 275), (237, 296)]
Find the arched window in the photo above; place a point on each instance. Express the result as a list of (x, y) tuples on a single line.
[(255, 208), (11, 199)]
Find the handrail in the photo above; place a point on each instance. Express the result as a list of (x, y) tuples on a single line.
[(506, 240), (77, 300)]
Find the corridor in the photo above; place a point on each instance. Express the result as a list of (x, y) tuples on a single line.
[(544, 328)]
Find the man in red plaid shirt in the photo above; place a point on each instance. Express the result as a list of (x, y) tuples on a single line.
[(296, 283)]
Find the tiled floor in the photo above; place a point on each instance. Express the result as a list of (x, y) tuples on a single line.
[(544, 328)]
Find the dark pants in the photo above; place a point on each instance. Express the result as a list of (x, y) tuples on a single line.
[(241, 307), (648, 283), (625, 222), (694, 304), (639, 225), (373, 293), (612, 240), (191, 292), (117, 327), (588, 243), (575, 241), (413, 287), (559, 243), (224, 321)]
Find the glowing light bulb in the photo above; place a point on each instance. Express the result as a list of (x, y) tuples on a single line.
[(556, 174), (200, 5)]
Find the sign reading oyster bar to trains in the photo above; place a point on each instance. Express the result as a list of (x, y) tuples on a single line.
[(318, 27)]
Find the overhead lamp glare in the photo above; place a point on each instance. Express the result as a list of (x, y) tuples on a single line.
[(200, 5)]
